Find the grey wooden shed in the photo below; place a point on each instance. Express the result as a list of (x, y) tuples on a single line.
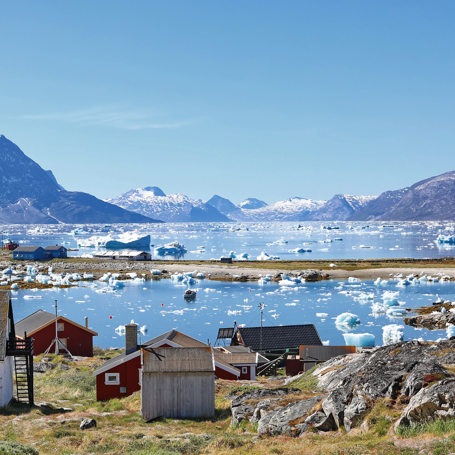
[(177, 383)]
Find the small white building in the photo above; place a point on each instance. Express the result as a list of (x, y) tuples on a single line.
[(6, 361), (177, 383)]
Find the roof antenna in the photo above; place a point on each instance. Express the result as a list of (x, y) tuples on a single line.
[(261, 307)]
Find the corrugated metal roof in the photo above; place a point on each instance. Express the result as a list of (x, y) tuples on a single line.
[(280, 337), (54, 248), (178, 360)]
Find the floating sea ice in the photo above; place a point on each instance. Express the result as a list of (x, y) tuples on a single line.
[(275, 316), (379, 282), (396, 312), (326, 343), (390, 298), (450, 239), (359, 340), (200, 275), (156, 272), (450, 330), (14, 286), (353, 280), (105, 277), (177, 277), (379, 308), (364, 296), (88, 276), (242, 256), (120, 329), (143, 329), (321, 315), (266, 257), (404, 282), (347, 321), (392, 333), (28, 279)]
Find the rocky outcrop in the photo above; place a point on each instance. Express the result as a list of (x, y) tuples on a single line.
[(433, 321), (435, 402), (411, 372)]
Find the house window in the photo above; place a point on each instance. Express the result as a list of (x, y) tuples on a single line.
[(244, 370), (60, 326), (112, 378)]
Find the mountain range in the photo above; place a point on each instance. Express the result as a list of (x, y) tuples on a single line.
[(31, 195)]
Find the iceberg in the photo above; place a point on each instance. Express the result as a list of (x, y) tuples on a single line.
[(392, 333), (265, 257), (129, 240), (450, 239), (347, 321), (353, 280), (359, 340), (396, 312), (450, 330), (172, 249), (390, 298), (156, 272)]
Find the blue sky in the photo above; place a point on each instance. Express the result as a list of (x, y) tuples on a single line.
[(261, 99)]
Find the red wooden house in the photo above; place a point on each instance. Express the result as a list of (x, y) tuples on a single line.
[(121, 375), (41, 326)]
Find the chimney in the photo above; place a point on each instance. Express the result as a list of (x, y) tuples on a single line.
[(130, 338), (86, 322)]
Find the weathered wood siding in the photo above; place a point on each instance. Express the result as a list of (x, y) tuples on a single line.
[(178, 395)]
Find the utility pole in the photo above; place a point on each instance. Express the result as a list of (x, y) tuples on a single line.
[(56, 340), (261, 307)]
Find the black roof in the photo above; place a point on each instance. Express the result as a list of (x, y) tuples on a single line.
[(54, 248), (33, 322), (27, 249), (280, 337), (6, 312)]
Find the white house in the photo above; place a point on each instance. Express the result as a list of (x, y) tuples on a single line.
[(6, 361)]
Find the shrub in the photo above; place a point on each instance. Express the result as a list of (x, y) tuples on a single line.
[(16, 448)]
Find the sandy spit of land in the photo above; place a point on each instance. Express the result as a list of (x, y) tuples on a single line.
[(224, 272)]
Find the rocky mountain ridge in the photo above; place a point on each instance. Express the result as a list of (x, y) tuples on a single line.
[(29, 194)]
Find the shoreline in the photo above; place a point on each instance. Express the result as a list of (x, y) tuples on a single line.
[(244, 271)]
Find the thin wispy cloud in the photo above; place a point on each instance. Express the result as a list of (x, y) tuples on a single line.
[(114, 118)]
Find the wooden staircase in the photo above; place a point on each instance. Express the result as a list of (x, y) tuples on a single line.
[(22, 351)]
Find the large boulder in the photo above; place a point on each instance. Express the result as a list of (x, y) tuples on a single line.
[(434, 402), (355, 412), (286, 419)]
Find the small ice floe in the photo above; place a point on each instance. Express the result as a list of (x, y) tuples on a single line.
[(450, 239), (404, 282), (390, 298), (450, 330), (333, 265), (364, 296), (392, 333), (322, 315), (347, 321), (326, 343), (266, 257), (351, 279), (105, 277), (396, 312), (200, 275), (275, 316), (156, 272), (299, 250), (143, 329), (359, 340), (380, 282)]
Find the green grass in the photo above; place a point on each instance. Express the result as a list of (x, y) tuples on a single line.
[(306, 382), (438, 427), (16, 448)]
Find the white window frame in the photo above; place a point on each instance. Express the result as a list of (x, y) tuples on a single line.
[(244, 370), (60, 326), (111, 382)]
